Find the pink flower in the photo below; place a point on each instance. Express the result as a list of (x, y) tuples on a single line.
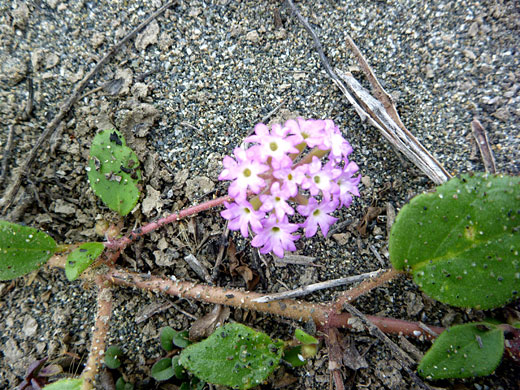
[(318, 179), (348, 185), (276, 201), (317, 214), (290, 178), (310, 131), (334, 141), (245, 173), (276, 236), (240, 215), (272, 144)]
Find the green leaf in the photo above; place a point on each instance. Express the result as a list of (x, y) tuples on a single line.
[(167, 335), (122, 385), (22, 249), (304, 338), (464, 351), (234, 355), (113, 171), (81, 257), (181, 339), (162, 370), (112, 357), (65, 384), (294, 357), (178, 368), (462, 242)]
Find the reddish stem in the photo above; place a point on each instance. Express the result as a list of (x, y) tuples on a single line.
[(321, 314), (150, 227)]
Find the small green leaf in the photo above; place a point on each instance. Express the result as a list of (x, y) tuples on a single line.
[(178, 368), (181, 339), (162, 370), (113, 171), (462, 242), (294, 357), (234, 355), (167, 335), (122, 385), (464, 351), (65, 384), (113, 357), (80, 258), (22, 249), (304, 338)]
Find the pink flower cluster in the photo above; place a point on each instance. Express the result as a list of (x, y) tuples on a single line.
[(280, 178)]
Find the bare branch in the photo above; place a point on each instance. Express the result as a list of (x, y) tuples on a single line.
[(481, 137), (309, 289)]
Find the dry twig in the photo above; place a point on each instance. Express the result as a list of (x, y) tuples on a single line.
[(404, 360), (481, 137), (309, 289)]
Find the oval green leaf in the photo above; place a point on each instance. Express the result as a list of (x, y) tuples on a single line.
[(167, 335), (304, 337), (81, 257), (178, 369), (22, 249), (113, 171), (113, 357), (234, 355), (162, 370), (181, 339), (464, 351), (462, 242), (65, 384), (122, 385), (294, 357)]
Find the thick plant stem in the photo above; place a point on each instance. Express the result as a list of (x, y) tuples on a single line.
[(101, 327), (135, 234), (322, 314)]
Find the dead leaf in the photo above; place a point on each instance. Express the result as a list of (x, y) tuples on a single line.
[(238, 267), (370, 215), (204, 326), (351, 356)]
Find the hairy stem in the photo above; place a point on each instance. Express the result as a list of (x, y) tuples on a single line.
[(321, 314), (101, 327), (135, 234)]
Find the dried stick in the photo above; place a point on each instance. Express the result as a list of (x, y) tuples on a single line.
[(401, 138), (404, 360), (481, 137), (101, 328), (7, 152), (378, 90), (6, 201), (309, 289)]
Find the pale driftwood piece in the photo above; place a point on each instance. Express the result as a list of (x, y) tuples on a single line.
[(306, 290), (483, 145), (401, 139), (295, 259), (377, 88), (12, 190)]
